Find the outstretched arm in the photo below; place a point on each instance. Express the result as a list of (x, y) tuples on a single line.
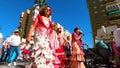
[(32, 28)]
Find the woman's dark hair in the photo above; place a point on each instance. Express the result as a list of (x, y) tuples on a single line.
[(43, 10), (76, 28)]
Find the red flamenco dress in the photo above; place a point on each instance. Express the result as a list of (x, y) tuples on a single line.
[(54, 44), (60, 53), (116, 55)]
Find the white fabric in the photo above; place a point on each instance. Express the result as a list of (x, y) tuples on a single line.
[(5, 42), (46, 22), (1, 36), (14, 40), (117, 37), (42, 53)]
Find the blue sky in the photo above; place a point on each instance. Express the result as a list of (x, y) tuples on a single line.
[(69, 13)]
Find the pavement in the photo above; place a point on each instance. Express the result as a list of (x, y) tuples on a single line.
[(20, 64)]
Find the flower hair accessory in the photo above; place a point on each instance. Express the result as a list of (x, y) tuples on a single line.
[(50, 12)]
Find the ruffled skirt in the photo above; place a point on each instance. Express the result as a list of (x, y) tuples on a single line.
[(42, 55), (77, 58)]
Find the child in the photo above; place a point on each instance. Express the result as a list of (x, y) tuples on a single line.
[(26, 52)]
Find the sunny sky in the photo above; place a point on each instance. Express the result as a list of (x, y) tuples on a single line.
[(69, 13)]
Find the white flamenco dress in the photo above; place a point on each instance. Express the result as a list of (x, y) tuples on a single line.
[(42, 55)]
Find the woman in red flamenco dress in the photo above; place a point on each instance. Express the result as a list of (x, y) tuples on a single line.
[(60, 50)]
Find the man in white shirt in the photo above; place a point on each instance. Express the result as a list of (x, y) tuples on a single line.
[(1, 36), (117, 36), (5, 50), (14, 42)]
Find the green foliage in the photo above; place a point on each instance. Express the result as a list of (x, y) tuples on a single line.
[(21, 32), (39, 1)]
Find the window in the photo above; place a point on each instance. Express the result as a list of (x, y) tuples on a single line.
[(100, 0), (95, 7), (114, 6), (107, 8), (96, 18), (96, 12), (104, 15), (110, 8), (94, 2), (117, 6), (101, 5), (103, 10)]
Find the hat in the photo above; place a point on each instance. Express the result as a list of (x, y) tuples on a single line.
[(16, 31)]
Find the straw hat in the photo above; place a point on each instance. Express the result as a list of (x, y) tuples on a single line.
[(16, 31)]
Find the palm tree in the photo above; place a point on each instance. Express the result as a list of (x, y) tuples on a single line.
[(40, 2)]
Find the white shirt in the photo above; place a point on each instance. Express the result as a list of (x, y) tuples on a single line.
[(117, 37), (1, 36), (4, 43), (14, 40)]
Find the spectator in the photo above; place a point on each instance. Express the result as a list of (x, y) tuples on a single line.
[(26, 52), (1, 37), (117, 36), (14, 42), (5, 50)]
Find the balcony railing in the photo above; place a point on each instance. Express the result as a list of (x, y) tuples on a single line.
[(107, 1)]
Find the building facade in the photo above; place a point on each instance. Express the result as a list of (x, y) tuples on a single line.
[(25, 22), (104, 15), (27, 17), (113, 11)]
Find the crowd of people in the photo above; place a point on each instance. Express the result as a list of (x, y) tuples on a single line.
[(1, 36), (110, 47), (52, 47), (115, 44)]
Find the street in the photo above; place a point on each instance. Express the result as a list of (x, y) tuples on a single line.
[(20, 64)]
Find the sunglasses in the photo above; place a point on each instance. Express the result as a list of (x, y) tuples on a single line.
[(48, 9)]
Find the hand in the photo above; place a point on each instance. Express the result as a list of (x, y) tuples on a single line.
[(8, 46), (84, 43), (79, 37), (28, 40)]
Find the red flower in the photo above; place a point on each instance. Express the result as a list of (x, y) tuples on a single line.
[(41, 54), (47, 62)]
